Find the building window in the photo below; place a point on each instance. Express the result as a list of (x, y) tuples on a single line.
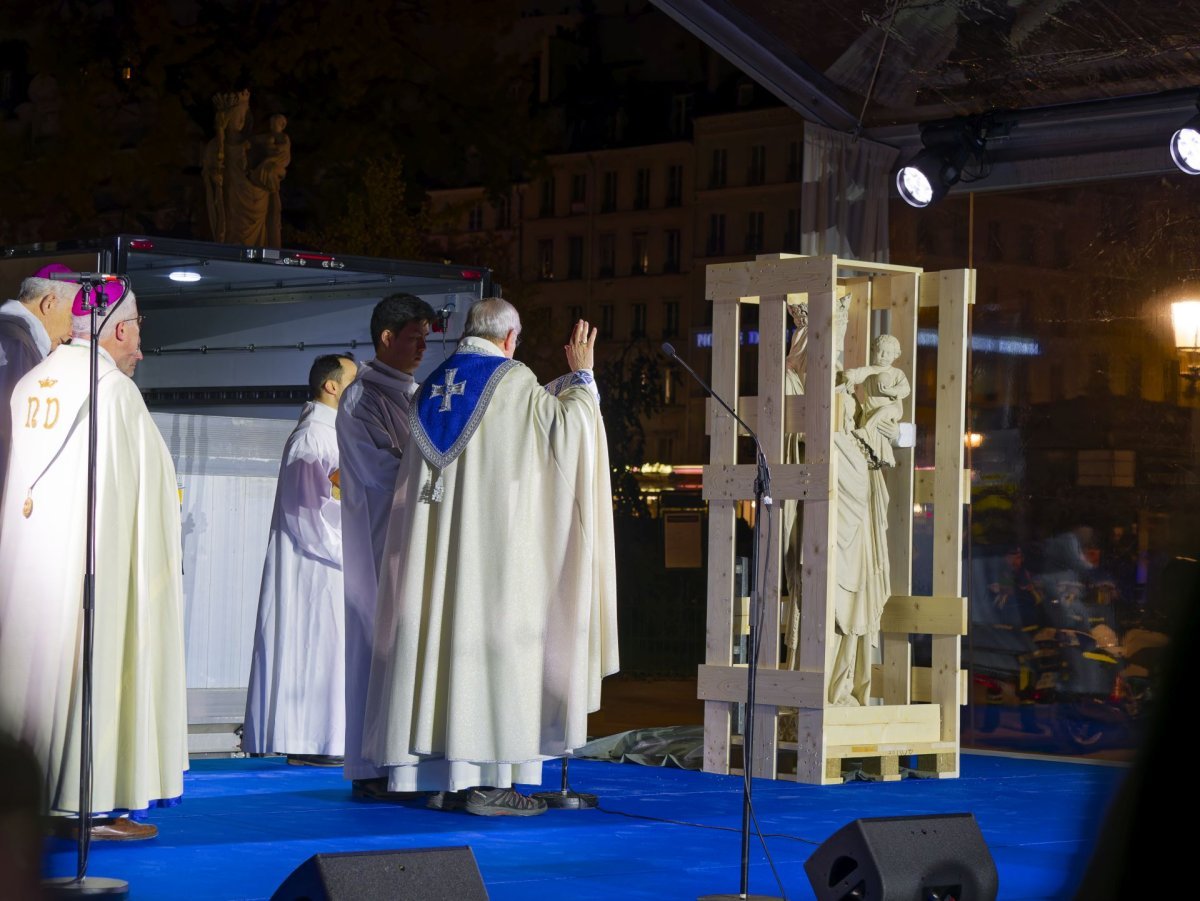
[(641, 196), (675, 185), (640, 263), (545, 251), (754, 232), (575, 256), (574, 314), (475, 218), (793, 161), (1029, 242), (639, 321), (757, 173), (671, 250), (716, 171), (791, 234), (716, 235), (606, 256), (1133, 377), (681, 114), (579, 192), (606, 320), (503, 213), (547, 205), (609, 201), (670, 319), (995, 242)]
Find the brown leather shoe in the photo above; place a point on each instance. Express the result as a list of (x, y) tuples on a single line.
[(120, 829)]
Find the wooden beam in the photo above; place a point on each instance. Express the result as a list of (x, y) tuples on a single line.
[(954, 304), (731, 282), (924, 615), (719, 622), (921, 684), (881, 724), (924, 491), (773, 687), (791, 481)]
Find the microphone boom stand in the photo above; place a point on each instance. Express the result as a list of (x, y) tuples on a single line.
[(81, 884), (762, 500)]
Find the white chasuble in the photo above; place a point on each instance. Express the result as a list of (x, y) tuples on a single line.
[(372, 428), (139, 703), (497, 599), (296, 703)]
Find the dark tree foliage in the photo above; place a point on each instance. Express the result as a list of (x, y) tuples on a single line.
[(630, 390), (120, 142)]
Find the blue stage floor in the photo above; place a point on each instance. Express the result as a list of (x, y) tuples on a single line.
[(660, 833)]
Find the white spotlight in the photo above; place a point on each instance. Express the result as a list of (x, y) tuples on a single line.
[(1185, 146), (184, 275)]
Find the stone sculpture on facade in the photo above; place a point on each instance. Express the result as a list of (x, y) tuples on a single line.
[(242, 175)]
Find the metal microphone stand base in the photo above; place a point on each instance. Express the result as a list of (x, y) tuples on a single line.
[(88, 886), (566, 798)]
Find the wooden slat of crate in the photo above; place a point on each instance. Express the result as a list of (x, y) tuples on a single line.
[(925, 615), (955, 293), (920, 686), (719, 624), (881, 724), (732, 282), (898, 295), (726, 482), (775, 688)]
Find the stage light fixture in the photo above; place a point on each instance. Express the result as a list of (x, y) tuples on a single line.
[(1185, 146), (948, 149)]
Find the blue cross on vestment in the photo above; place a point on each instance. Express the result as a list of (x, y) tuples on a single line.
[(448, 390), (449, 406)]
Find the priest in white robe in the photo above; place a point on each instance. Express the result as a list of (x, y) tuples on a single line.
[(372, 428), (497, 601), (32, 325), (139, 702), (296, 701)]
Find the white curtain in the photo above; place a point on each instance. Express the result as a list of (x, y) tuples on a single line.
[(844, 205)]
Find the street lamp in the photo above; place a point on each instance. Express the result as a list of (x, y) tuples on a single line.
[(1185, 317)]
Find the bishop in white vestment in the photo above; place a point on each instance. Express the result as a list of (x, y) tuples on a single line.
[(372, 428), (296, 702), (139, 702), (32, 325), (497, 602)]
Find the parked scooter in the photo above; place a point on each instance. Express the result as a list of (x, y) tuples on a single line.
[(1100, 689)]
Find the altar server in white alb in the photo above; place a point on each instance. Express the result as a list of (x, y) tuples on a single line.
[(139, 701), (296, 703), (31, 326), (497, 600), (372, 428)]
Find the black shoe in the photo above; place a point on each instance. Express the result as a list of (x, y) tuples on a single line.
[(503, 802), (314, 760), (449, 800), (376, 790)]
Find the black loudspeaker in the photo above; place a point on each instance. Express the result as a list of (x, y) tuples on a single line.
[(420, 874), (933, 858)]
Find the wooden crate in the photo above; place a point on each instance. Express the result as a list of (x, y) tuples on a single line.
[(914, 711)]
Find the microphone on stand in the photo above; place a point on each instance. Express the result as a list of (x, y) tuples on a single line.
[(84, 276), (762, 497), (669, 350)]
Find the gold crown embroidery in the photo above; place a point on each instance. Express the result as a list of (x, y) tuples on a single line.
[(47, 383)]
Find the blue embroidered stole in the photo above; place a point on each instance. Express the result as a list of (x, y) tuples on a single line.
[(452, 401)]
